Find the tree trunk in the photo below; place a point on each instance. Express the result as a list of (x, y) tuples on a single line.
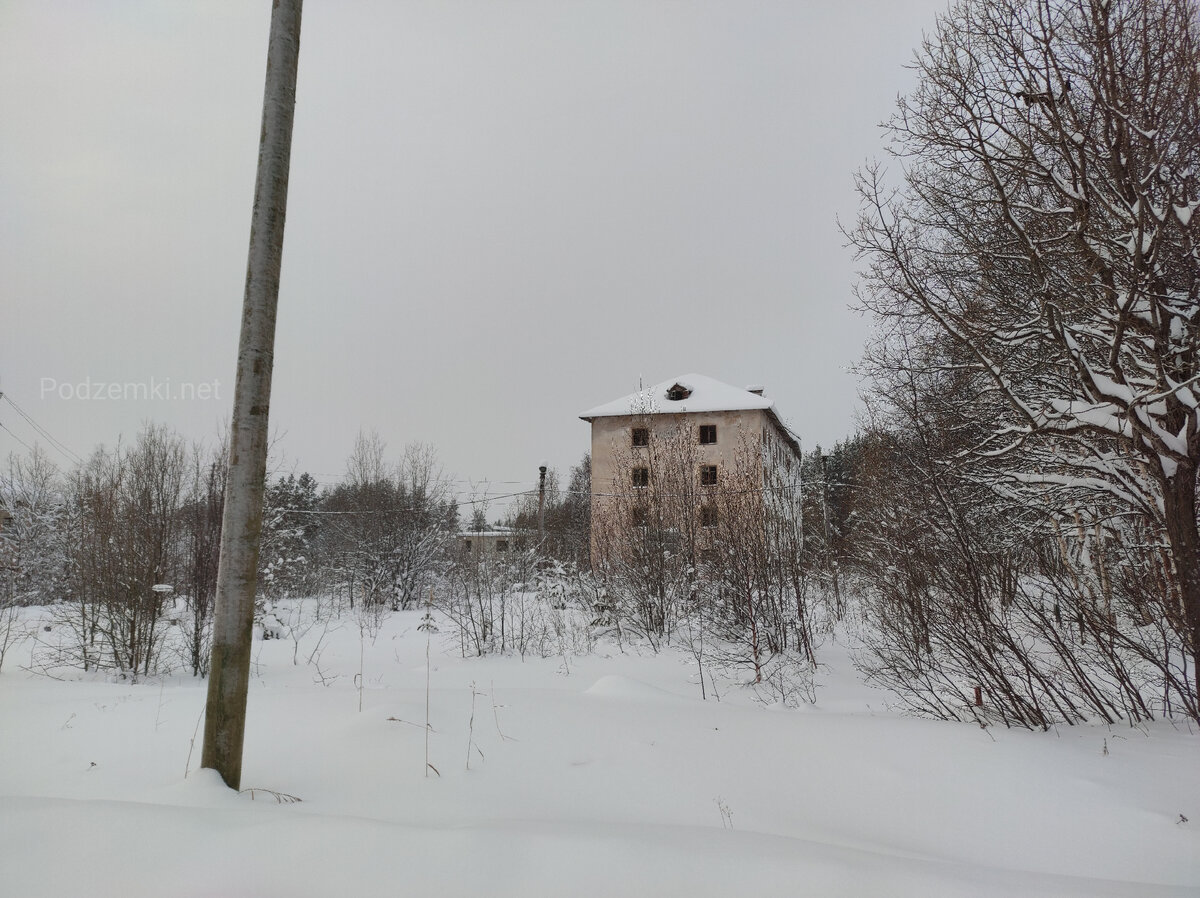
[(241, 525), (1179, 505)]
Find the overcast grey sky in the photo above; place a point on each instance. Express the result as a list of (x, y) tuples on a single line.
[(501, 213)]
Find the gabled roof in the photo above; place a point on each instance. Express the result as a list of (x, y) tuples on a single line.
[(697, 394)]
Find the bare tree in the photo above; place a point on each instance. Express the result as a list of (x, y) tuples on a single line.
[(974, 610), (367, 464), (124, 519), (426, 525), (646, 527), (1042, 255), (229, 679), (202, 549)]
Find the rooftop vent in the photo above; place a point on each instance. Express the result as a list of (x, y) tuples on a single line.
[(756, 389)]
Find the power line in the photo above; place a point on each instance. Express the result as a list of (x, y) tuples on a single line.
[(794, 488), (64, 450), (17, 438), (55, 443), (372, 511), (467, 480)]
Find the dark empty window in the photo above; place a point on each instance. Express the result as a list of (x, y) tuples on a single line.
[(708, 433), (641, 437), (708, 475), (708, 516), (641, 476), (638, 516), (501, 545)]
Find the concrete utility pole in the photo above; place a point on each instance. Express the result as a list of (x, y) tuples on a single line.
[(541, 503), (241, 525)]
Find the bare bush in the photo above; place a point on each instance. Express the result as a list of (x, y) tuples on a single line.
[(126, 516)]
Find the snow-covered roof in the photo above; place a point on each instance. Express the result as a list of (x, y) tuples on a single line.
[(698, 394), (497, 532)]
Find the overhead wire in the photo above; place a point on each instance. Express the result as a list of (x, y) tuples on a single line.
[(17, 438), (68, 453), (63, 448), (372, 511)]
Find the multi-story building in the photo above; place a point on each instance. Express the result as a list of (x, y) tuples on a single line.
[(683, 453)]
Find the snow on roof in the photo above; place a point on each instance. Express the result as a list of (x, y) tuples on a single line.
[(696, 393), (497, 530)]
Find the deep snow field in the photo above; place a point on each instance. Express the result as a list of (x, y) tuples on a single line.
[(612, 778)]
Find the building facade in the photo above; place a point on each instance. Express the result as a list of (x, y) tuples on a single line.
[(495, 543), (691, 456)]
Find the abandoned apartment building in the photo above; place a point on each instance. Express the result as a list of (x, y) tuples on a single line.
[(686, 440)]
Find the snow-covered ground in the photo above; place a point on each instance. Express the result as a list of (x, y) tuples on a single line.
[(612, 777)]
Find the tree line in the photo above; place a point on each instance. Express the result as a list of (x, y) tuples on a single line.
[(93, 543), (1027, 490)]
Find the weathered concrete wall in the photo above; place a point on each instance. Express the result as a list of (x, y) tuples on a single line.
[(489, 543), (613, 453), (674, 441)]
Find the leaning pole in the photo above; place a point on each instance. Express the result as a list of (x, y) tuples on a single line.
[(241, 523)]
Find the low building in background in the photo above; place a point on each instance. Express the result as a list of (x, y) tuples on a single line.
[(496, 543)]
